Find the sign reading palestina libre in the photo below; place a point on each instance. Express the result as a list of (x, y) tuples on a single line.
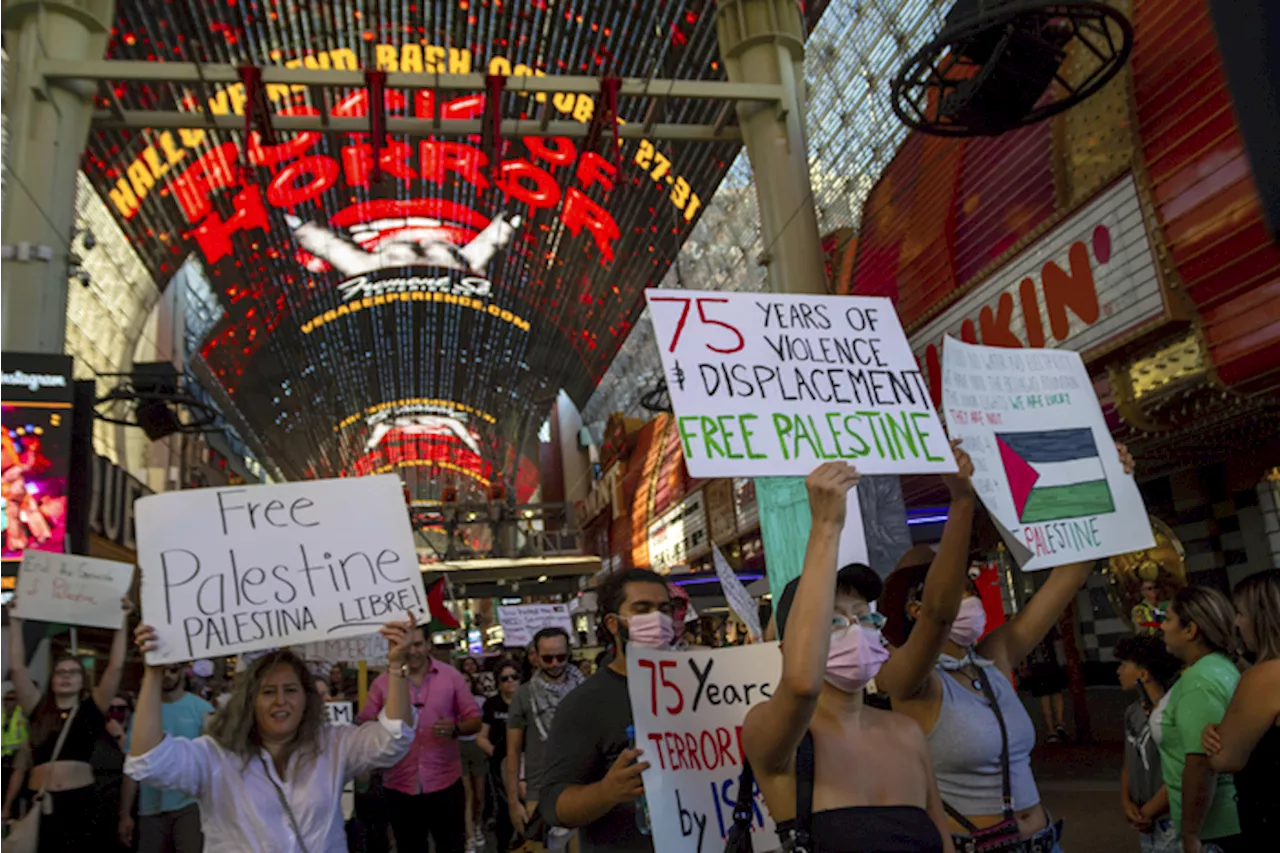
[(767, 385), (240, 569), (689, 708), (1045, 464)]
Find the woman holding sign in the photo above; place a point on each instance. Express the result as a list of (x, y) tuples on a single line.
[(66, 723), (806, 739), (269, 774), (952, 676)]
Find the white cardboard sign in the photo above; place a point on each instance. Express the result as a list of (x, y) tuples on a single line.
[(71, 589), (371, 648), (241, 568), (521, 621), (1045, 464), (340, 713), (740, 601), (771, 385), (688, 708)]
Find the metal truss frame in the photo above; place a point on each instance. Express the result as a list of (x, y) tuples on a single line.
[(322, 84)]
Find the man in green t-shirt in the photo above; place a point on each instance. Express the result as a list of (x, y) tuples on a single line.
[(1199, 698)]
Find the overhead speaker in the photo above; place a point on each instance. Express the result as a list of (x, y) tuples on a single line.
[(998, 65)]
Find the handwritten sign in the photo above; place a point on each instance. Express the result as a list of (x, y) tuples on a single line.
[(71, 589), (340, 713), (770, 385), (1044, 462), (688, 709), (740, 601), (521, 621), (372, 649), (242, 568)]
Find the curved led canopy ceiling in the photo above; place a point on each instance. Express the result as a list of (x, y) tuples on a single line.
[(446, 300)]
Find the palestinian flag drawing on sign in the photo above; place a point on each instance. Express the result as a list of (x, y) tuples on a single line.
[(1055, 474)]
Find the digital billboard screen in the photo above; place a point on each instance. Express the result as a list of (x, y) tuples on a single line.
[(36, 437), (425, 317)]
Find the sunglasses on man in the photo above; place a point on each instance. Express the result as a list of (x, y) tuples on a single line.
[(550, 659)]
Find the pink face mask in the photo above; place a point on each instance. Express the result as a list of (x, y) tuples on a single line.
[(854, 658), (654, 630), (970, 622)]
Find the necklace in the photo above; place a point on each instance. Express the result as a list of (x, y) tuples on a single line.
[(973, 679)]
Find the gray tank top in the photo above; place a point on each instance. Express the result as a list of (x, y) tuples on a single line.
[(965, 746)]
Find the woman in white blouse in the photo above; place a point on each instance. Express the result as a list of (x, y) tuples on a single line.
[(269, 773)]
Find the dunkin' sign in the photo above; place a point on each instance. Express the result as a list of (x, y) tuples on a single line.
[(1084, 286)]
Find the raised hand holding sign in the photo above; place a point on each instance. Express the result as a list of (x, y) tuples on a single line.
[(231, 570)]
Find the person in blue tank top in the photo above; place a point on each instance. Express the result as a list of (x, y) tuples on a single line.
[(944, 668), (803, 741)]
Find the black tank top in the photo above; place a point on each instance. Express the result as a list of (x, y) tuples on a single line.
[(870, 829), (1257, 792), (86, 728), (854, 829)]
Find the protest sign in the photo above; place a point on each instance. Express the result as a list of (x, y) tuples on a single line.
[(1044, 462), (688, 709), (71, 589), (371, 648), (340, 713), (242, 568), (520, 622), (785, 521), (740, 601), (771, 385)]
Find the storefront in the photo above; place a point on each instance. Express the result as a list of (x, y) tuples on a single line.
[(1128, 229)]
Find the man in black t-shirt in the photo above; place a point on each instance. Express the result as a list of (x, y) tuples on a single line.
[(593, 777)]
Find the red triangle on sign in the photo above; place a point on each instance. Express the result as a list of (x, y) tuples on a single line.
[(1022, 477)]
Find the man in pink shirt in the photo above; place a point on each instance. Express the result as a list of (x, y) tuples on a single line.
[(424, 791)]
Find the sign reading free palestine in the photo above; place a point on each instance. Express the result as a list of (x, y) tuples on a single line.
[(772, 385)]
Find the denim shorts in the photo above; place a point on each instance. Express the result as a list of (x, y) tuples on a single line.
[(1163, 837)]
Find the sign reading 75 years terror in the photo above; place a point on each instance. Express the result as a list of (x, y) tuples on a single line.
[(772, 385)]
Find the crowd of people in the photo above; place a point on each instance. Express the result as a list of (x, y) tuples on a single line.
[(535, 748)]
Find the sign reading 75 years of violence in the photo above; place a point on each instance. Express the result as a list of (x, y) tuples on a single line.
[(237, 569), (771, 385)]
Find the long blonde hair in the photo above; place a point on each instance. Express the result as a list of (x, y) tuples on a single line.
[(1257, 597), (235, 727)]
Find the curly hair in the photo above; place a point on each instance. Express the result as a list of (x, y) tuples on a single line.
[(235, 726), (1149, 653)]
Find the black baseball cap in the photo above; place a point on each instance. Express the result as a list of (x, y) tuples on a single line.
[(860, 578)]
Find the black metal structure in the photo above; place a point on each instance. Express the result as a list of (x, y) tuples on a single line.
[(999, 65), (155, 399)]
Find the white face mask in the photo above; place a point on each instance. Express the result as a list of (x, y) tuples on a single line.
[(970, 622), (854, 658)]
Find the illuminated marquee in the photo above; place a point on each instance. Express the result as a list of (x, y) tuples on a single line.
[(453, 278)]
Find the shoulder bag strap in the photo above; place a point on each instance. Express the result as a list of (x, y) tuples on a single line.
[(1004, 742), (743, 813), (57, 747), (284, 803), (804, 792)]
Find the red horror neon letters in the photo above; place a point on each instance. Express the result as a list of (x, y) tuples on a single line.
[(301, 176)]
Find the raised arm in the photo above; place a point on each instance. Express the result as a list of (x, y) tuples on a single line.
[(397, 634), (110, 682), (148, 724), (773, 729), (1253, 711), (1009, 644), (28, 694), (908, 670)]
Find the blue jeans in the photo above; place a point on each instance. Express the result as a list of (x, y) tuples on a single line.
[(1163, 837)]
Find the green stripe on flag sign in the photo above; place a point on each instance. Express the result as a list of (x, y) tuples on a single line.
[(1053, 503)]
